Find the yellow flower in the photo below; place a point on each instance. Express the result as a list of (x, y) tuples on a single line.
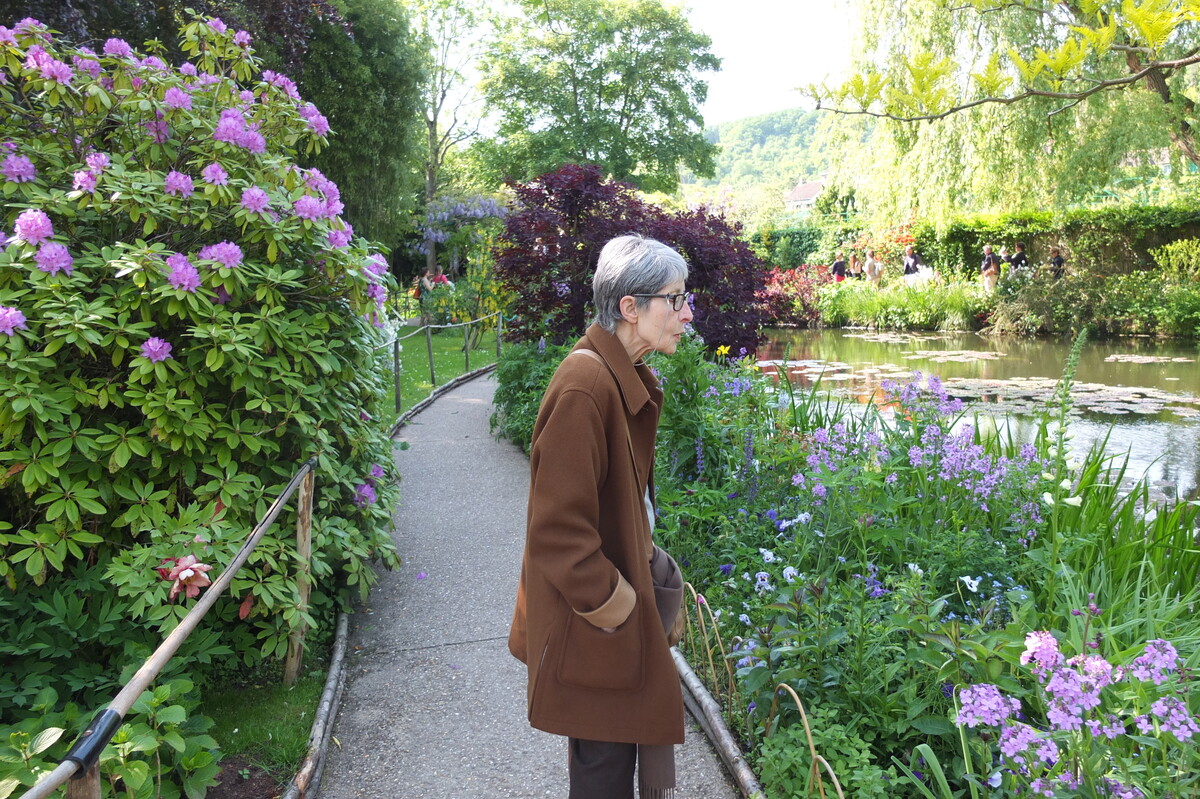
[(723, 350)]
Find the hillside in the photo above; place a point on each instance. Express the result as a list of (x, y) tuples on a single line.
[(770, 149)]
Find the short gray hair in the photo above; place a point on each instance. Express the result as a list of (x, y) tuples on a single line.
[(632, 265)]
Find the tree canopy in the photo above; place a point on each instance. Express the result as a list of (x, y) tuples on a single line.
[(604, 82), (1002, 105)]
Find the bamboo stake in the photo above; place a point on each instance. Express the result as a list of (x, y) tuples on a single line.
[(295, 653)]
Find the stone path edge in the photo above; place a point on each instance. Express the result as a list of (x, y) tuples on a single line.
[(699, 701)]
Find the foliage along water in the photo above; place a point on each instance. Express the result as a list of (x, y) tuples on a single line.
[(1142, 394)]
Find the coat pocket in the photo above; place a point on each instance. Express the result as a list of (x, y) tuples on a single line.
[(592, 658)]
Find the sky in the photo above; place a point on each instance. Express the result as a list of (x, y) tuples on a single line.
[(768, 48)]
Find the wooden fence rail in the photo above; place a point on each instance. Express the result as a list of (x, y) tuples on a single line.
[(79, 767)]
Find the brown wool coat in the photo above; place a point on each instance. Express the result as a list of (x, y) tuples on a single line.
[(587, 557)]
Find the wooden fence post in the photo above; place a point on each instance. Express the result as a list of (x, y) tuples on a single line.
[(295, 653), (467, 347), (499, 332), (85, 785)]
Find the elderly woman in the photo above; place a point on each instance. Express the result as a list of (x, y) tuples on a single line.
[(598, 604)]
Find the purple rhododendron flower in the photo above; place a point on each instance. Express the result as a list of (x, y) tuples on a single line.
[(89, 65), (55, 70), (53, 257), (11, 320), (376, 471), (84, 180), (6, 36), (364, 495), (153, 62), (255, 200), (183, 275), (32, 226), (215, 174), (309, 207), (177, 98), (187, 68), (156, 349), (178, 183), (18, 169), (241, 39), (157, 130), (118, 48), (216, 24), (222, 296), (341, 238), (225, 253), (97, 161)]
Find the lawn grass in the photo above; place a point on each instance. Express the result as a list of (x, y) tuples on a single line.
[(268, 725), (448, 363)]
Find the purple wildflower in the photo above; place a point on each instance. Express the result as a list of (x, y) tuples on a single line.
[(18, 169), (726, 568), (11, 320), (156, 349), (984, 704), (241, 39), (1159, 660)]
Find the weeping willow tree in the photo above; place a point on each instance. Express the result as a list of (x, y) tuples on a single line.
[(995, 105)]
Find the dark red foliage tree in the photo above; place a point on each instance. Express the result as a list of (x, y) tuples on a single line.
[(548, 252)]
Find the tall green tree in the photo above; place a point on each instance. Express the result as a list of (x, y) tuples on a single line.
[(449, 33), (976, 106), (365, 80), (616, 83), (928, 59)]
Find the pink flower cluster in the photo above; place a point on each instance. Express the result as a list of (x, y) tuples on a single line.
[(226, 253), (50, 68), (233, 128), (215, 174), (32, 227), (87, 179), (118, 48), (53, 258), (316, 121), (183, 275), (984, 704), (177, 99), (85, 64), (18, 169), (156, 349), (283, 82), (11, 320), (255, 200), (178, 184), (187, 574)]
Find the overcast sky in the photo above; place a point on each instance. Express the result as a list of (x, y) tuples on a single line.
[(768, 48)]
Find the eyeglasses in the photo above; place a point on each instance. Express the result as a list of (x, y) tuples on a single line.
[(676, 301)]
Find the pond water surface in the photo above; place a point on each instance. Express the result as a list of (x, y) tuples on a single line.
[(1142, 393)]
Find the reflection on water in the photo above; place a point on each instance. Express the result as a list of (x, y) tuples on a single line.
[(1142, 394)]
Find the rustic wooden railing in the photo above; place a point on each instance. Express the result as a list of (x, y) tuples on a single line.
[(467, 327), (79, 768)]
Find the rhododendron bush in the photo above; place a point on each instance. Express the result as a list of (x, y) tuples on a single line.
[(185, 318)]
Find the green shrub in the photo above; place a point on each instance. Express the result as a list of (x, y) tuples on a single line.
[(186, 319)]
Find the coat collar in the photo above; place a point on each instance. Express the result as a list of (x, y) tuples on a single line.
[(632, 384)]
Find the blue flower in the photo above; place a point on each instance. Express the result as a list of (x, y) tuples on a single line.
[(726, 568)]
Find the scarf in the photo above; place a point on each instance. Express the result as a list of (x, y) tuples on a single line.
[(656, 764)]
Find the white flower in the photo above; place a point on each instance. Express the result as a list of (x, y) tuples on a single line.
[(1048, 498), (1074, 502), (972, 583), (767, 555), (790, 574), (1047, 476), (917, 570), (1065, 485), (744, 619)]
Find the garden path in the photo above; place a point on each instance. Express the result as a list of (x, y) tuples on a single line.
[(434, 705)]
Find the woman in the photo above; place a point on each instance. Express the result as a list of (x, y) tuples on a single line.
[(587, 622), (873, 269), (838, 270), (990, 269)]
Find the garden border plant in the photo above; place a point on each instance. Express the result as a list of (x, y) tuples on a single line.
[(186, 316)]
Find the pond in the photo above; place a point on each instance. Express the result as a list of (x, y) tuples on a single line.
[(1142, 393)]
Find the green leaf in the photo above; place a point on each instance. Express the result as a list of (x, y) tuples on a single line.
[(45, 739)]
